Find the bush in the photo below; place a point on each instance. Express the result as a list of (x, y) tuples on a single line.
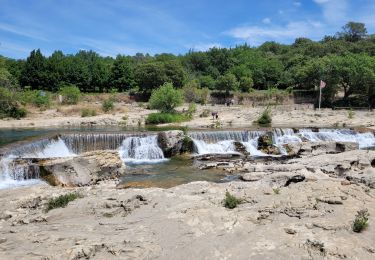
[(194, 94), (265, 118), (8, 105), (191, 110), (163, 118), (166, 98), (361, 221), (231, 201), (205, 113), (86, 112), (351, 113), (71, 94), (37, 98), (107, 105), (62, 201)]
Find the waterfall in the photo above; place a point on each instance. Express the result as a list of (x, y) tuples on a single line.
[(364, 140), (284, 136), (222, 142), (141, 150), (221, 147), (17, 168), (84, 142), (15, 174)]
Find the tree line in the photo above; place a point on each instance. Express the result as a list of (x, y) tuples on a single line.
[(346, 61)]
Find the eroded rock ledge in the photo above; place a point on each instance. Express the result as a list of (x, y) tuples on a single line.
[(82, 170)]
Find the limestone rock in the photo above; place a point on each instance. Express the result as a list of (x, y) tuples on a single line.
[(171, 142), (317, 148), (265, 145), (85, 169)]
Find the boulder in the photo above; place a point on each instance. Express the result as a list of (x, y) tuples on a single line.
[(85, 169), (318, 148), (265, 145), (239, 147), (171, 142)]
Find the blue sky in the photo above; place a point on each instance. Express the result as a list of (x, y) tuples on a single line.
[(156, 26)]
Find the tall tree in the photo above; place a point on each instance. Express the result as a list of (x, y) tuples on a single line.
[(34, 73), (353, 31), (122, 73)]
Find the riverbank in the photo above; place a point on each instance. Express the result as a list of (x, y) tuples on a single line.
[(309, 218), (133, 115)]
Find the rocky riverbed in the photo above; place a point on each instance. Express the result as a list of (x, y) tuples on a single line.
[(296, 207)]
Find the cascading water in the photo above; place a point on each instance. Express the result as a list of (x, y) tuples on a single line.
[(284, 136), (84, 142), (364, 140), (17, 168), (222, 142), (141, 150)]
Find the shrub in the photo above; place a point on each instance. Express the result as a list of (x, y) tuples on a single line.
[(8, 105), (166, 98), (61, 201), (194, 94), (163, 118), (107, 105), (361, 221), (231, 201), (191, 110), (205, 113), (71, 94), (37, 98), (276, 190), (351, 113), (265, 118), (86, 112)]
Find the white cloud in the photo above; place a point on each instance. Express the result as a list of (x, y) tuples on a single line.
[(256, 35), (19, 30), (298, 4), (334, 11), (266, 20)]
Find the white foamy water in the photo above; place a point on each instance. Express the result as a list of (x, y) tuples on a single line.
[(221, 147), (15, 174), (364, 140), (138, 150), (12, 175), (56, 148)]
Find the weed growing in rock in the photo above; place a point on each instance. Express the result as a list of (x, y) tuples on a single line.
[(265, 118), (361, 221), (276, 190), (231, 201), (61, 201), (351, 113)]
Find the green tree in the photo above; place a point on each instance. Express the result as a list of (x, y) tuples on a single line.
[(34, 73), (122, 73), (166, 98), (353, 31), (150, 76), (227, 82)]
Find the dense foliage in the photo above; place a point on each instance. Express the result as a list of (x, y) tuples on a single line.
[(9, 106), (166, 98), (345, 61)]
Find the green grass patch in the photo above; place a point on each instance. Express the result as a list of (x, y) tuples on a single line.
[(163, 118), (361, 221), (61, 201), (230, 201)]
